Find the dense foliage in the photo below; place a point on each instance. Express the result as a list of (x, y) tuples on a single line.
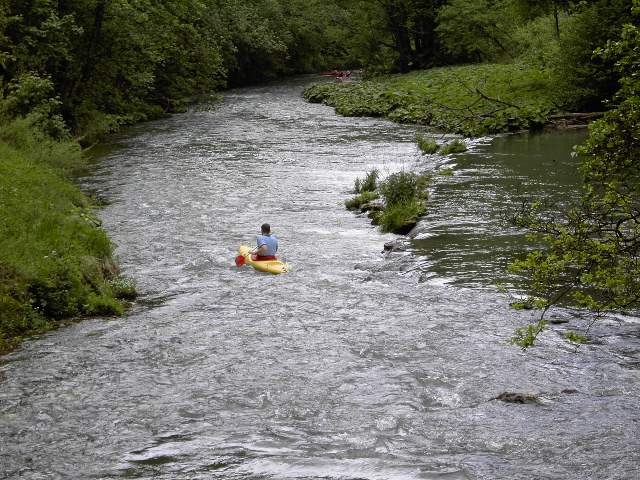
[(112, 62)]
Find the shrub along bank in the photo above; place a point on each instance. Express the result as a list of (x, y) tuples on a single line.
[(55, 260), (471, 99)]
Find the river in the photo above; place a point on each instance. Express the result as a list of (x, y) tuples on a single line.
[(357, 364)]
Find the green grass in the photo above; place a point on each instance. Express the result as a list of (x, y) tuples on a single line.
[(401, 217), (471, 99), (55, 262), (356, 202), (427, 145), (456, 146)]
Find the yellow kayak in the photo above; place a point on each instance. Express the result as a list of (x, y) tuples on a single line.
[(269, 266)]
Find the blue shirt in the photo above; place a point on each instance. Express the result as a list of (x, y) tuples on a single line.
[(270, 241)]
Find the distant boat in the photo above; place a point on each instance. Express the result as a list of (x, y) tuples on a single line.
[(337, 73)]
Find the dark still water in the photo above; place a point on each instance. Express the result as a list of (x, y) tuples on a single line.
[(353, 366)]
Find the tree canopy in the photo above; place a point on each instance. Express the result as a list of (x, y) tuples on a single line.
[(118, 61)]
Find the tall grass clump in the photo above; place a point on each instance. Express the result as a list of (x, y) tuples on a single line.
[(426, 145), (365, 190), (456, 146), (369, 183), (402, 186), (404, 194), (401, 217)]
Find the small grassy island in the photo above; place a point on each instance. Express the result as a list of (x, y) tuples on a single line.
[(396, 203)]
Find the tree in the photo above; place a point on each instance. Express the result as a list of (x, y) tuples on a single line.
[(592, 259), (476, 30), (584, 80)]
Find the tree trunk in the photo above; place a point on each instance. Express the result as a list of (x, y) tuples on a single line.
[(397, 23), (94, 40)]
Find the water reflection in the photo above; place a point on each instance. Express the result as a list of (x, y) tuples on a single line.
[(467, 239)]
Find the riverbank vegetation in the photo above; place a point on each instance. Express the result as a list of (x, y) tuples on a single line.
[(503, 66), (55, 261), (468, 99)]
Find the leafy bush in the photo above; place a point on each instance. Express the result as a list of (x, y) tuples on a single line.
[(474, 31), (536, 42), (403, 186), (581, 79), (426, 145), (32, 98)]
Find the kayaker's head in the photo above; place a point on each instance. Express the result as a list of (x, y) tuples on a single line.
[(265, 229)]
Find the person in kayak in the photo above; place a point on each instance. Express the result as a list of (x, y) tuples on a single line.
[(267, 244)]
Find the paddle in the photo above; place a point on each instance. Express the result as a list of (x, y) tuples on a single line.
[(241, 259)]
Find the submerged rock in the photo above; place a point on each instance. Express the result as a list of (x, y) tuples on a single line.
[(514, 397), (397, 245), (569, 391), (558, 320)]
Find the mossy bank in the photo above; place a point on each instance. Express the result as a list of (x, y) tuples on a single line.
[(55, 261), (470, 100)]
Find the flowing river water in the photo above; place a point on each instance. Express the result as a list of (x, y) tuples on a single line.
[(357, 364)]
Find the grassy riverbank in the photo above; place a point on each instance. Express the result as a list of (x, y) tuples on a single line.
[(55, 260), (471, 99)]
